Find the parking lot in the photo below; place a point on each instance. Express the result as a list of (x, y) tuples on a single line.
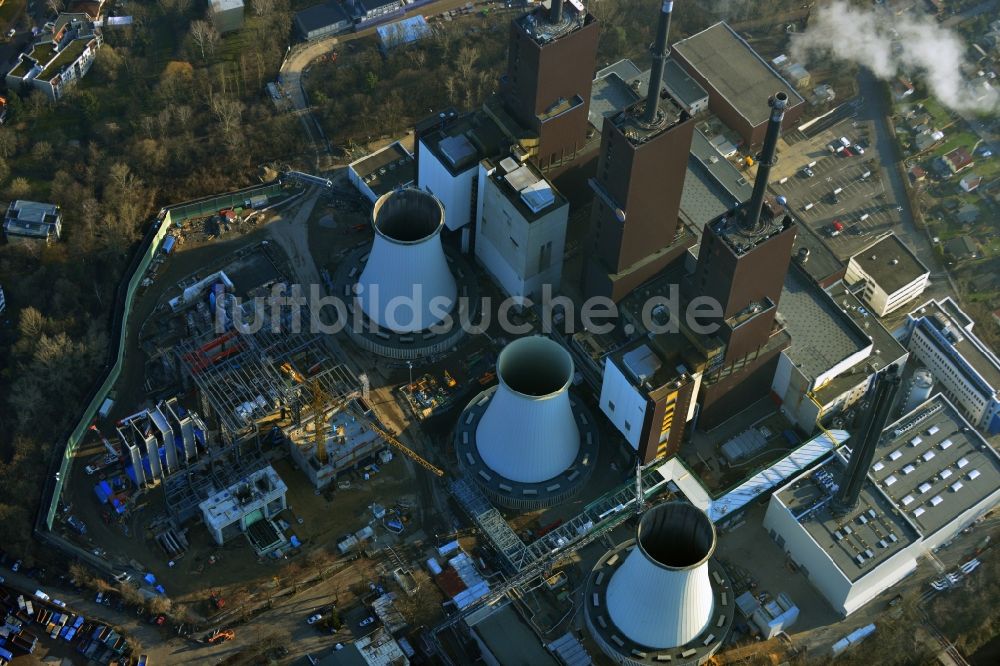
[(845, 199)]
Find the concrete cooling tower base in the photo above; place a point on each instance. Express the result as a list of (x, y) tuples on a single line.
[(409, 346), (521, 496), (661, 597)]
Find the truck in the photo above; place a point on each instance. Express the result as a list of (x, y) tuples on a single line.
[(256, 202)]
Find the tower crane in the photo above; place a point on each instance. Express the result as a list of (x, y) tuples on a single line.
[(321, 400)]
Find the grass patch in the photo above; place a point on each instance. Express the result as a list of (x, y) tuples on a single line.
[(941, 116), (72, 51), (954, 140)]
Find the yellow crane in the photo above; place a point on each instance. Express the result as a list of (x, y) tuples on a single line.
[(321, 401)]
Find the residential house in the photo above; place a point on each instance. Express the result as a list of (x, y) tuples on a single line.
[(92, 8), (968, 214), (958, 159), (970, 183), (961, 248), (58, 59), (31, 221), (917, 174)]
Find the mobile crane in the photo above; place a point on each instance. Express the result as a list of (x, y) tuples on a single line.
[(321, 400)]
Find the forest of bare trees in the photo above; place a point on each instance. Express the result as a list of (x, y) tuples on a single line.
[(169, 112)]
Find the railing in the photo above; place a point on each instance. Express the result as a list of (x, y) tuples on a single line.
[(59, 467)]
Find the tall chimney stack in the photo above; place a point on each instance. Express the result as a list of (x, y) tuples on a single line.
[(556, 11), (869, 434), (660, 51), (765, 160)]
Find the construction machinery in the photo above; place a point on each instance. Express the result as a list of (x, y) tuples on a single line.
[(220, 636), (321, 401)]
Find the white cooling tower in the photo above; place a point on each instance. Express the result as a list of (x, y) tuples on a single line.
[(661, 595), (528, 433), (406, 285)]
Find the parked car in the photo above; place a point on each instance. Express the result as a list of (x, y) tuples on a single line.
[(313, 619), (807, 172), (858, 149), (11, 33), (16, 566), (99, 599), (365, 622)]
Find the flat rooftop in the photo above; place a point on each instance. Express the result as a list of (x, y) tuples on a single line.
[(460, 141), (886, 350), (229, 503), (890, 263), (526, 188), (857, 542), (822, 334), (32, 211), (812, 255), (945, 314), (735, 70), (722, 171), (678, 83), (387, 169), (509, 639), (610, 94), (934, 465)]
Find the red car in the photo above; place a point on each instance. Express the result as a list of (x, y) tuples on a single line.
[(848, 153)]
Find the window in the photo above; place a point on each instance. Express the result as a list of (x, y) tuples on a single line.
[(513, 242), (611, 406), (544, 256), (628, 426)]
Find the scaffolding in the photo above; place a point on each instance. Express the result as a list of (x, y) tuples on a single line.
[(221, 469), (239, 374)]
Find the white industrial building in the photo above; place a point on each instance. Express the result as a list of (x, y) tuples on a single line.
[(447, 167), (520, 228), (892, 274), (932, 476), (247, 507), (227, 15), (837, 346), (31, 221), (939, 334), (383, 171)]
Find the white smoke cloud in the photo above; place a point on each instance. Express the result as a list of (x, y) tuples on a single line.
[(890, 45)]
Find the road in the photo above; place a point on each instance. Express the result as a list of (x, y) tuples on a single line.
[(286, 618), (876, 111), (981, 8)]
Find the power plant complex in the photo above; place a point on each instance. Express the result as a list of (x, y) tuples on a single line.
[(567, 317)]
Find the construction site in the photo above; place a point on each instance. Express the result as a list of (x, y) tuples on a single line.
[(357, 383)]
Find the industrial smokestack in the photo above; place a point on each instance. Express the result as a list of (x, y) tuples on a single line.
[(555, 12), (659, 50), (406, 285), (765, 160), (863, 449), (661, 596), (528, 433)]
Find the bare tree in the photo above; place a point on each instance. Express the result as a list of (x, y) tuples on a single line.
[(262, 7), (205, 36), (55, 6)]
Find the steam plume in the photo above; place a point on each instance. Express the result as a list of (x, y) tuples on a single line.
[(890, 45)]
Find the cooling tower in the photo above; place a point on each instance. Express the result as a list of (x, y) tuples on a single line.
[(528, 443), (661, 593), (406, 285), (528, 433)]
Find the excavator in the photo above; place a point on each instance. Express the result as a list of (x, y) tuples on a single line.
[(321, 401)]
